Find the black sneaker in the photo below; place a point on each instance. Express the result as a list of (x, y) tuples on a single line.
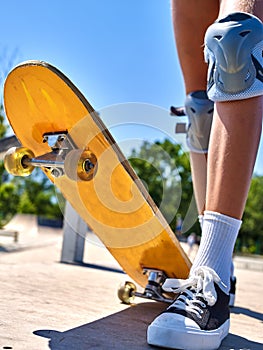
[(232, 292), (199, 317)]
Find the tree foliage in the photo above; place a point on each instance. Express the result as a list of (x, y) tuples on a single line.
[(165, 170), (250, 238), (34, 194), (30, 195), (3, 126)]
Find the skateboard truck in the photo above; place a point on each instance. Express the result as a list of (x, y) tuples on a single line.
[(153, 289), (64, 159), (59, 141)]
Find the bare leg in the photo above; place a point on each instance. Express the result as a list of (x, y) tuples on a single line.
[(234, 141), (185, 12), (202, 304), (199, 178), (249, 6), (220, 189), (188, 18)]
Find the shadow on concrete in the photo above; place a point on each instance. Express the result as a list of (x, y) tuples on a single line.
[(126, 330), (3, 249), (247, 312), (123, 330), (235, 342), (94, 266)]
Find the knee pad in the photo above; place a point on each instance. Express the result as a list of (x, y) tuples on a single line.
[(233, 50), (199, 110)]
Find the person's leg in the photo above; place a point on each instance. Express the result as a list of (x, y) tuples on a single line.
[(249, 6), (236, 132), (190, 52), (199, 318), (231, 200), (233, 147), (188, 19), (199, 110), (195, 79)]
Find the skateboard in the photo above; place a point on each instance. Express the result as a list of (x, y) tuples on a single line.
[(61, 133)]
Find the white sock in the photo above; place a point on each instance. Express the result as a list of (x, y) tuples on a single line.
[(232, 268), (217, 245)]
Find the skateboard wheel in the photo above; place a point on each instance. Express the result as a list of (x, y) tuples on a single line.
[(126, 292), (15, 161), (80, 165)]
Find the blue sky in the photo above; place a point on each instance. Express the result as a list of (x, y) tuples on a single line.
[(115, 51)]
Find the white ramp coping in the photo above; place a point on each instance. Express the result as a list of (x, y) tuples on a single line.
[(21, 224)]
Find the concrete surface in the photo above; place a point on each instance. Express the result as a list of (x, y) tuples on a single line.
[(49, 305)]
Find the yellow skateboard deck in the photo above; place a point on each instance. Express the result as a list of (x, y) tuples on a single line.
[(88, 167)]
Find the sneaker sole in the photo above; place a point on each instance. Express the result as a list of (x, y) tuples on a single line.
[(187, 338)]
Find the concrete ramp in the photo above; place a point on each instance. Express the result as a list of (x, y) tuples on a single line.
[(21, 226)]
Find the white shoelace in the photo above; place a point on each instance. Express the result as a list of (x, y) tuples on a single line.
[(201, 284)]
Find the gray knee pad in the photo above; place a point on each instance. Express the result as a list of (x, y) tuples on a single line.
[(233, 49), (199, 110)]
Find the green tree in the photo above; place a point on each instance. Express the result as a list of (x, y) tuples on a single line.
[(3, 126), (34, 194), (250, 238), (37, 195), (8, 202), (31, 195), (165, 170), (8, 195), (25, 205)]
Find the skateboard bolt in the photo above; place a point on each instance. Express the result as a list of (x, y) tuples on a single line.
[(56, 172), (88, 165), (61, 138), (45, 139)]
